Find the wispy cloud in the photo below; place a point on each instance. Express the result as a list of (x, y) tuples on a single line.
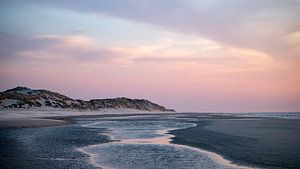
[(59, 48), (173, 49), (246, 24)]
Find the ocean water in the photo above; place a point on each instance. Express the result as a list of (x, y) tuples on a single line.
[(198, 140), (146, 145), (279, 115)]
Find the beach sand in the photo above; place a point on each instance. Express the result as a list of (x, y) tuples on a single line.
[(28, 118)]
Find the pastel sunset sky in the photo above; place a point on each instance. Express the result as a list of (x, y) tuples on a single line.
[(190, 55)]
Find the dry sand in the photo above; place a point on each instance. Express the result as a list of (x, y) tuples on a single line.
[(41, 118)]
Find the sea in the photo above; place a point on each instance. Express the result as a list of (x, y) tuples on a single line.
[(158, 141)]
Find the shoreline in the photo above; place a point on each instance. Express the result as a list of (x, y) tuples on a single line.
[(46, 118), (168, 141)]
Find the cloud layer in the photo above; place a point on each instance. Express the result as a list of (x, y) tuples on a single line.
[(255, 24)]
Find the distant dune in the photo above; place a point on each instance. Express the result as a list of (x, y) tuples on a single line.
[(26, 98)]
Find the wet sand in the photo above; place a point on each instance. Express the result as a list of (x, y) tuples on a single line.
[(31, 122), (260, 142), (47, 147)]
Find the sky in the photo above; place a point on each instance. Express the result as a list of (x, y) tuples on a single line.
[(190, 55)]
